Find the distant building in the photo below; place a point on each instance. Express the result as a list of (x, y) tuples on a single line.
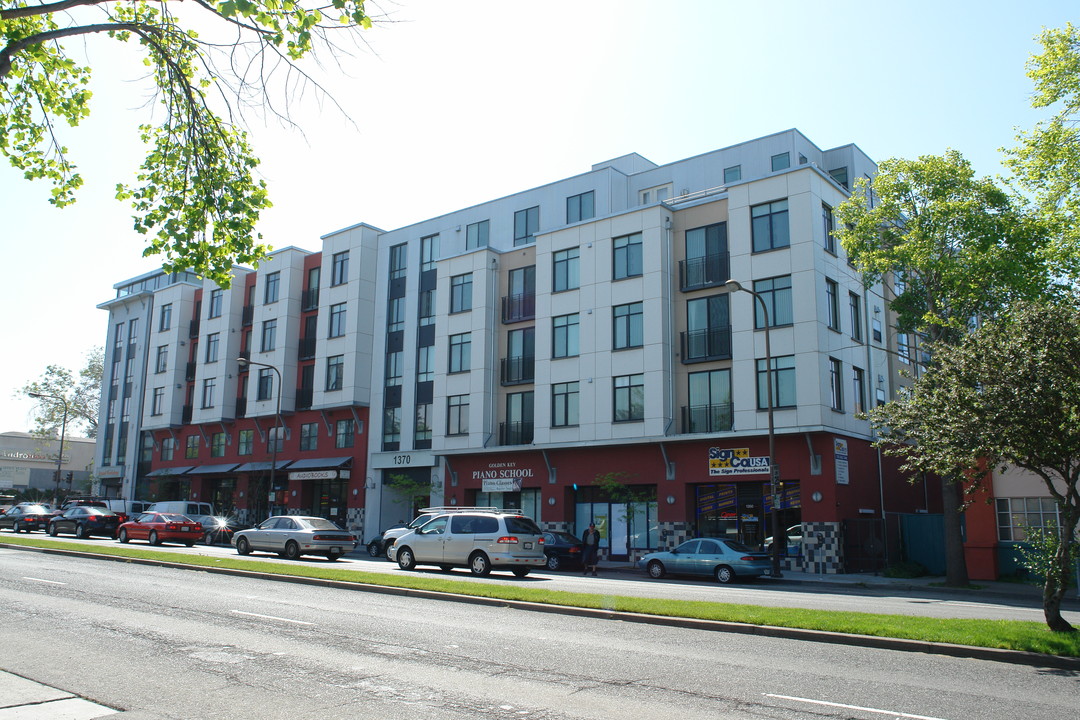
[(28, 462)]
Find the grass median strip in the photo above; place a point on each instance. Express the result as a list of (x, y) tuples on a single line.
[(1003, 634)]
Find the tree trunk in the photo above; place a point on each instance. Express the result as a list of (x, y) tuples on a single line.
[(1057, 580), (956, 574)]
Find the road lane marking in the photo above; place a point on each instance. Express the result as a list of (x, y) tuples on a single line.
[(271, 617), (51, 582), (891, 713)]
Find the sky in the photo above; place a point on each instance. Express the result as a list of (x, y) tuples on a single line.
[(456, 103)]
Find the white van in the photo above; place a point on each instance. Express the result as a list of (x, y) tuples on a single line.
[(182, 507), (131, 508)]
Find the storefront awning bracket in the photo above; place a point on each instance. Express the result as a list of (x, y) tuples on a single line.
[(669, 467), (358, 424), (205, 437), (815, 459), (326, 421), (228, 435), (550, 469)]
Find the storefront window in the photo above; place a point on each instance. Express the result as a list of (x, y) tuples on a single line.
[(527, 501)]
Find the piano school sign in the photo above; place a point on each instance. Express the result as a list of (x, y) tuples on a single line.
[(736, 461), (502, 477)]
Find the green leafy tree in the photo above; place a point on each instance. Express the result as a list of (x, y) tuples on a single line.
[(82, 394), (197, 194), (964, 250), (1007, 394), (616, 487), (408, 490)]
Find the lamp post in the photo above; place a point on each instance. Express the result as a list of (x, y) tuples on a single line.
[(244, 362), (774, 470), (63, 431)]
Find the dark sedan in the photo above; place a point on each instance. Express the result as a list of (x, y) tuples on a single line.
[(563, 550), (85, 521), (25, 518)]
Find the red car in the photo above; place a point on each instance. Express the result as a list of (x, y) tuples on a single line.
[(161, 527)]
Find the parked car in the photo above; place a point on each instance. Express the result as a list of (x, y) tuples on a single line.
[(386, 541), (722, 559), (26, 517), (294, 535), (563, 550), (85, 521), (480, 541), (794, 541), (217, 530), (157, 528)]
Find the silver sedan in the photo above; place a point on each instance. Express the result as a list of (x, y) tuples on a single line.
[(294, 535)]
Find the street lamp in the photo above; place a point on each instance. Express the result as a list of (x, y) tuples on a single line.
[(63, 431), (774, 470), (244, 362)]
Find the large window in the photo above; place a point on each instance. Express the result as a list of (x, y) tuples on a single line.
[(269, 335), (829, 228), (781, 161), (858, 390), (217, 444), (339, 268), (275, 439), (628, 326), (213, 308), (168, 449), (245, 442), (706, 257), (564, 404), (429, 252), (457, 415), (477, 235), (832, 304), (158, 401), (273, 282), (208, 389), (1016, 515), (460, 353), (580, 207), (395, 314), (162, 361), (337, 319), (732, 174), (626, 257), (335, 372), (343, 434), (629, 398), (710, 401), (783, 375), (309, 436), (526, 223), (708, 328), (461, 293), (518, 429), (769, 226), (265, 389), (855, 308), (399, 260), (565, 270), (422, 431), (426, 308), (836, 385), (166, 317), (191, 449), (564, 336), (393, 368), (425, 363), (213, 340)]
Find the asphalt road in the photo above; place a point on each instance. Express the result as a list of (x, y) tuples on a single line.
[(166, 643)]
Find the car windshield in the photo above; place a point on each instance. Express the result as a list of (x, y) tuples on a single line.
[(318, 524), (521, 524), (739, 547)]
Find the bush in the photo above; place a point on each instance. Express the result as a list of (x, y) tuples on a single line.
[(905, 569)]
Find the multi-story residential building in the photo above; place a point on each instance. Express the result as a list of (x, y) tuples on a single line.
[(573, 350)]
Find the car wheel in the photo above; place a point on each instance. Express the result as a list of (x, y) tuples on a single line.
[(208, 538), (123, 537), (724, 574), (243, 546), (16, 527), (80, 531), (190, 543), (656, 569), (52, 530), (374, 548), (521, 571), (154, 540), (292, 550), (479, 564), (405, 559), (333, 556), (553, 562), (446, 568), (387, 552)]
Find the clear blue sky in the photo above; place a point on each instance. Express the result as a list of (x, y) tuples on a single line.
[(460, 102)]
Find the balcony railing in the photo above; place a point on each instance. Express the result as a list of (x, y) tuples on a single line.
[(247, 315), (304, 396), (707, 418), (246, 354), (185, 415), (515, 433), (516, 308), (241, 406), (306, 350), (310, 299), (516, 370), (193, 329), (711, 344), (703, 272), (189, 372)]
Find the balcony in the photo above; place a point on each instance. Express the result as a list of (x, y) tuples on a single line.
[(703, 272), (241, 406), (310, 299), (306, 351), (246, 355), (517, 308), (518, 370), (193, 329), (247, 315), (304, 396), (705, 345), (189, 372), (707, 418), (185, 415), (515, 433)]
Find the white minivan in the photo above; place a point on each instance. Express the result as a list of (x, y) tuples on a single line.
[(182, 507)]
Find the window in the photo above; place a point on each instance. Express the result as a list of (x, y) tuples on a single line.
[(337, 320), (829, 228), (399, 261), (1016, 515), (217, 444), (309, 436), (165, 322), (161, 363), (212, 342), (564, 404), (429, 252), (265, 389), (191, 451), (858, 390), (311, 297), (629, 397), (460, 352), (627, 329), (426, 308), (708, 328), (422, 431), (275, 439), (836, 391), (476, 235), (133, 330), (580, 207), (335, 372), (769, 226), (270, 293), (710, 401), (461, 293), (393, 369), (732, 174), (518, 429), (706, 256), (520, 363), (158, 401), (656, 194), (776, 292), (526, 223), (457, 415), (832, 301), (626, 257), (425, 364), (564, 336), (168, 448), (339, 268), (903, 349), (781, 161), (565, 270), (840, 175), (208, 388), (875, 329), (269, 335), (783, 373), (343, 434), (246, 444), (855, 309)]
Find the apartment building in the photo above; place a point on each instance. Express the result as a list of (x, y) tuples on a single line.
[(574, 350)]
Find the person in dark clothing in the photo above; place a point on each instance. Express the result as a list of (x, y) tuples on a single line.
[(591, 542)]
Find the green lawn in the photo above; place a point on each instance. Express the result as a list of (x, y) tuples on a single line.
[(1005, 634)]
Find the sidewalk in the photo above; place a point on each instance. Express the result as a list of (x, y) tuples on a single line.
[(22, 699)]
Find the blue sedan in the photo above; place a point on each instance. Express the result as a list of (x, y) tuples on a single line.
[(722, 559)]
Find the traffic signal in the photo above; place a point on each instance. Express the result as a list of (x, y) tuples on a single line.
[(70, 476)]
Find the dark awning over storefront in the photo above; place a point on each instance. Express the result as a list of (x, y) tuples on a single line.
[(309, 463), (260, 466), (170, 471), (213, 469)]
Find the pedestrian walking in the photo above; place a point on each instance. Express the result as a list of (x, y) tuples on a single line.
[(591, 541)]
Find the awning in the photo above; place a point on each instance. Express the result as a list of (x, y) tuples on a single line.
[(213, 469), (169, 471), (308, 463), (260, 466)]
